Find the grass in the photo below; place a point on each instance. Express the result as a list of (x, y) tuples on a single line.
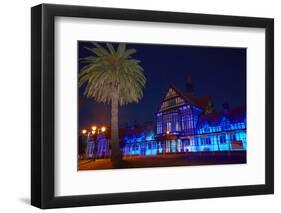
[(171, 159)]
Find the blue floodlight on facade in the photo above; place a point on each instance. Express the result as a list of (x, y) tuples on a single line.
[(195, 130), (183, 125)]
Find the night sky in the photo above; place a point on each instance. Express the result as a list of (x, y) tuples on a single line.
[(217, 72)]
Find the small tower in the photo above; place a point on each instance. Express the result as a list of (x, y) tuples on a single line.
[(209, 108), (225, 107), (189, 86)]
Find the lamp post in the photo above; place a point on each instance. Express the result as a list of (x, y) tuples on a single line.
[(94, 131), (97, 130), (85, 133)]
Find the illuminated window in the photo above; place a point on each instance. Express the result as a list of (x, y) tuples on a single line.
[(196, 141), (208, 141), (190, 119), (135, 147), (169, 121), (177, 126), (233, 137), (187, 120), (222, 139), (174, 146), (159, 125), (169, 126), (203, 141)]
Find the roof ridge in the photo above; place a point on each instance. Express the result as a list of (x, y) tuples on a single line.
[(181, 93)]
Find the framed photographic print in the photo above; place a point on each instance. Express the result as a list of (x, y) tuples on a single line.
[(140, 106)]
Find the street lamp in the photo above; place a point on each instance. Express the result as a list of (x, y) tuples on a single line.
[(93, 132), (103, 129), (94, 128)]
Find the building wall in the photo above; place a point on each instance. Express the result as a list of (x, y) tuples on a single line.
[(183, 123), (211, 142), (181, 120)]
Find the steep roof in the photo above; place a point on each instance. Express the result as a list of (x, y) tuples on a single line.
[(185, 96), (235, 115), (201, 102), (213, 119)]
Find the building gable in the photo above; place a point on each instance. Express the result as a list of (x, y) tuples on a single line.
[(172, 99), (170, 94)]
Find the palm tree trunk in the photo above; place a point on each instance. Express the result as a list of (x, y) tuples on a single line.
[(115, 147)]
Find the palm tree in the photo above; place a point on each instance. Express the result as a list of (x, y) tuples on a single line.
[(113, 77)]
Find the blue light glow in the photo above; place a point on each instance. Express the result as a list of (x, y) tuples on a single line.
[(191, 137), (181, 128)]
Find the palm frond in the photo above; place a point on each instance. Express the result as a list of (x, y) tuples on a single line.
[(129, 52), (108, 71), (111, 48), (96, 51), (101, 48), (121, 49)]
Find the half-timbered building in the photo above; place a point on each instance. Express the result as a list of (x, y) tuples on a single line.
[(185, 123)]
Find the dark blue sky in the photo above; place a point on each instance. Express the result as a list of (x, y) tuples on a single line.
[(217, 72)]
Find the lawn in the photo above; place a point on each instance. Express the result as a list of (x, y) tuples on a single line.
[(171, 159)]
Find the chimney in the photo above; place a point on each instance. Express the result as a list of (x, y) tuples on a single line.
[(225, 108), (189, 86)]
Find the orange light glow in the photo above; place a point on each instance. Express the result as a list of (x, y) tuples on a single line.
[(94, 128), (103, 129), (84, 131), (168, 132)]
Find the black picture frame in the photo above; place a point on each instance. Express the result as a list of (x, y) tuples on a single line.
[(43, 117)]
